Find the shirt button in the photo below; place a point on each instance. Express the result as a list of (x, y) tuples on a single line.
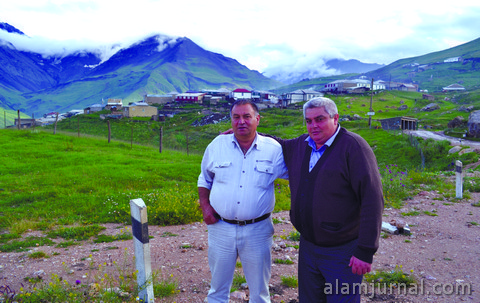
[(243, 171), (241, 186), (238, 202)]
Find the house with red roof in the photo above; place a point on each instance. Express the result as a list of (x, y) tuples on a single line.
[(241, 94)]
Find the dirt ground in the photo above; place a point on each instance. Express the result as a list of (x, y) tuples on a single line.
[(442, 253)]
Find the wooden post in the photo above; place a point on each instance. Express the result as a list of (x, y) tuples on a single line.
[(143, 264), (19, 121), (459, 183), (33, 117), (371, 109), (161, 140), (4, 119), (78, 125), (109, 131), (56, 120), (131, 138)]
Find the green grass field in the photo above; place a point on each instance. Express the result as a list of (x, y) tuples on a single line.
[(48, 180)]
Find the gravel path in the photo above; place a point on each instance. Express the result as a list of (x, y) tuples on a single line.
[(442, 253)]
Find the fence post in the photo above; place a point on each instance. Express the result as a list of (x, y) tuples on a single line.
[(143, 264), (56, 120), (459, 175), (109, 131), (19, 121), (131, 137), (161, 139)]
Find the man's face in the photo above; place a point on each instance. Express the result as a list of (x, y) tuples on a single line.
[(320, 126), (244, 121)]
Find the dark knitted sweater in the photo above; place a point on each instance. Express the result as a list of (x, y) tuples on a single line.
[(341, 199)]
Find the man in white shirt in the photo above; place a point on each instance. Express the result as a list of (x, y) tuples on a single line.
[(236, 191)]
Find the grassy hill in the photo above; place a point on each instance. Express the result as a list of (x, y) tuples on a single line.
[(64, 179), (315, 84), (436, 74)]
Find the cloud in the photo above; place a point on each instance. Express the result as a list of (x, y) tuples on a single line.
[(258, 33)]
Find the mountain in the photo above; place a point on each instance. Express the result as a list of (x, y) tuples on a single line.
[(430, 72), (8, 28), (433, 71), (36, 84), (352, 66), (329, 68)]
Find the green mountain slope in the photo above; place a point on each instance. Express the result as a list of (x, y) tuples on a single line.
[(148, 67), (430, 71)]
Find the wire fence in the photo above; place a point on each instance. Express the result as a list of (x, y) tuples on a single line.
[(159, 134)]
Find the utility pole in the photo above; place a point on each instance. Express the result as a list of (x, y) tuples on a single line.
[(371, 112)]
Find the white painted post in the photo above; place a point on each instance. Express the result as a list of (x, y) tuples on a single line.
[(143, 264), (459, 175)]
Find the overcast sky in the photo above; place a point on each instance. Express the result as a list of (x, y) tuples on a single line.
[(261, 34)]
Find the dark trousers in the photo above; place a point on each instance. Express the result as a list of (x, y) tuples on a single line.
[(324, 274)]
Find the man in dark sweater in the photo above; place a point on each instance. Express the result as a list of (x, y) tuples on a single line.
[(337, 205)]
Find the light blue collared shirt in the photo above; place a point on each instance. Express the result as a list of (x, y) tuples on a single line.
[(317, 153), (242, 185)]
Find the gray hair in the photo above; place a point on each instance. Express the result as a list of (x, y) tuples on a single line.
[(328, 104)]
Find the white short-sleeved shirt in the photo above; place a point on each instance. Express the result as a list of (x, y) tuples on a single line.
[(242, 186)]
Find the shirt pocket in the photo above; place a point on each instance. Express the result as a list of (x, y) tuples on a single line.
[(263, 173), (222, 171)]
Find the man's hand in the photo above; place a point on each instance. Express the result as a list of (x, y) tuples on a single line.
[(210, 216), (359, 267), (227, 132)]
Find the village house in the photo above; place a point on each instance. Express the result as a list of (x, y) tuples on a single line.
[(241, 94), (139, 109), (453, 87), (400, 123), (453, 59), (428, 97), (339, 85), (93, 108), (223, 93), (214, 96), (300, 95), (407, 87), (114, 104), (264, 96), (190, 98), (158, 99), (391, 85), (24, 123), (353, 86)]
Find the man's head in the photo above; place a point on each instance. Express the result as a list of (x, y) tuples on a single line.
[(321, 116), (245, 119)]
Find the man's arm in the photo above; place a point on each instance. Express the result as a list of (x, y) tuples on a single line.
[(366, 178), (210, 216)]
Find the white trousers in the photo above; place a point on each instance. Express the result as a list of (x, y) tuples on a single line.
[(252, 243)]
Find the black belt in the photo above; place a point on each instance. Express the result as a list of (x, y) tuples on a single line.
[(245, 222)]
